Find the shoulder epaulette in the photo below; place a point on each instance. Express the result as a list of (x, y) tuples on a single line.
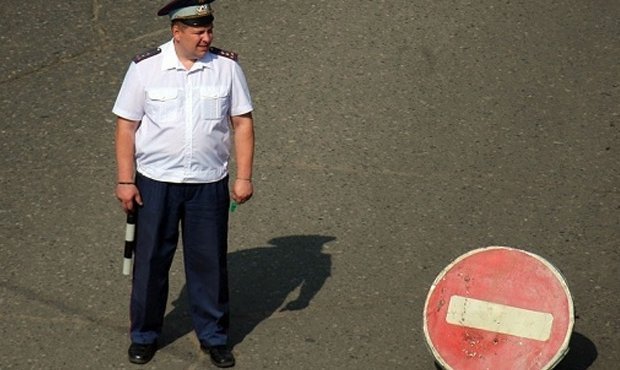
[(145, 55), (228, 54)]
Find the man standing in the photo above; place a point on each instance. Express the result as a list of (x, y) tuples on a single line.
[(180, 109)]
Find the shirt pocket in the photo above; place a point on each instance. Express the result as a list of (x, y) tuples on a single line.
[(162, 104), (214, 103)]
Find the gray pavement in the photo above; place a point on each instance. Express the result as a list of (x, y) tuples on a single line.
[(393, 136)]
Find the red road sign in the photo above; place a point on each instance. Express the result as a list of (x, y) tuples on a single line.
[(498, 308)]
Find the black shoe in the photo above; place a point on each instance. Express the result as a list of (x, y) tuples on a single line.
[(141, 353), (221, 356)]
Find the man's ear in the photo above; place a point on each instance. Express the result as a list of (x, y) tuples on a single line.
[(176, 29)]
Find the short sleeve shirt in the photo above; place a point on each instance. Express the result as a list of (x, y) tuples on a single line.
[(184, 134)]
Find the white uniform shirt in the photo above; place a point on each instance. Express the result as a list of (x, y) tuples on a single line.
[(184, 133)]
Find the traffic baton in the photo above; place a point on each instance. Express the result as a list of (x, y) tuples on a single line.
[(130, 243)]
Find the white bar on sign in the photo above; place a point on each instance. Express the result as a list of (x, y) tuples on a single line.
[(499, 318)]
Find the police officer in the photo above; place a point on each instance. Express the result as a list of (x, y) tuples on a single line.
[(179, 110)]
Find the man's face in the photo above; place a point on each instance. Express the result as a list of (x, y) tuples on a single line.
[(192, 42)]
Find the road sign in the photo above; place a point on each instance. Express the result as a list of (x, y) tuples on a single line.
[(498, 308)]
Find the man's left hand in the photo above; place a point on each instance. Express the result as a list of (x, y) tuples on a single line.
[(242, 190)]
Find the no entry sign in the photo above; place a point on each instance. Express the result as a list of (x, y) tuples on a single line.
[(498, 308)]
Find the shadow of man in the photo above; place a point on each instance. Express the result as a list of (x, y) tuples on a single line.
[(260, 280)]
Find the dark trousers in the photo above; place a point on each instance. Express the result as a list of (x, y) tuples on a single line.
[(202, 212)]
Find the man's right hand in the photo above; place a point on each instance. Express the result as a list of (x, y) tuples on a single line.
[(128, 195)]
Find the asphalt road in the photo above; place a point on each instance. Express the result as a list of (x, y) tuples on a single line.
[(392, 137)]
